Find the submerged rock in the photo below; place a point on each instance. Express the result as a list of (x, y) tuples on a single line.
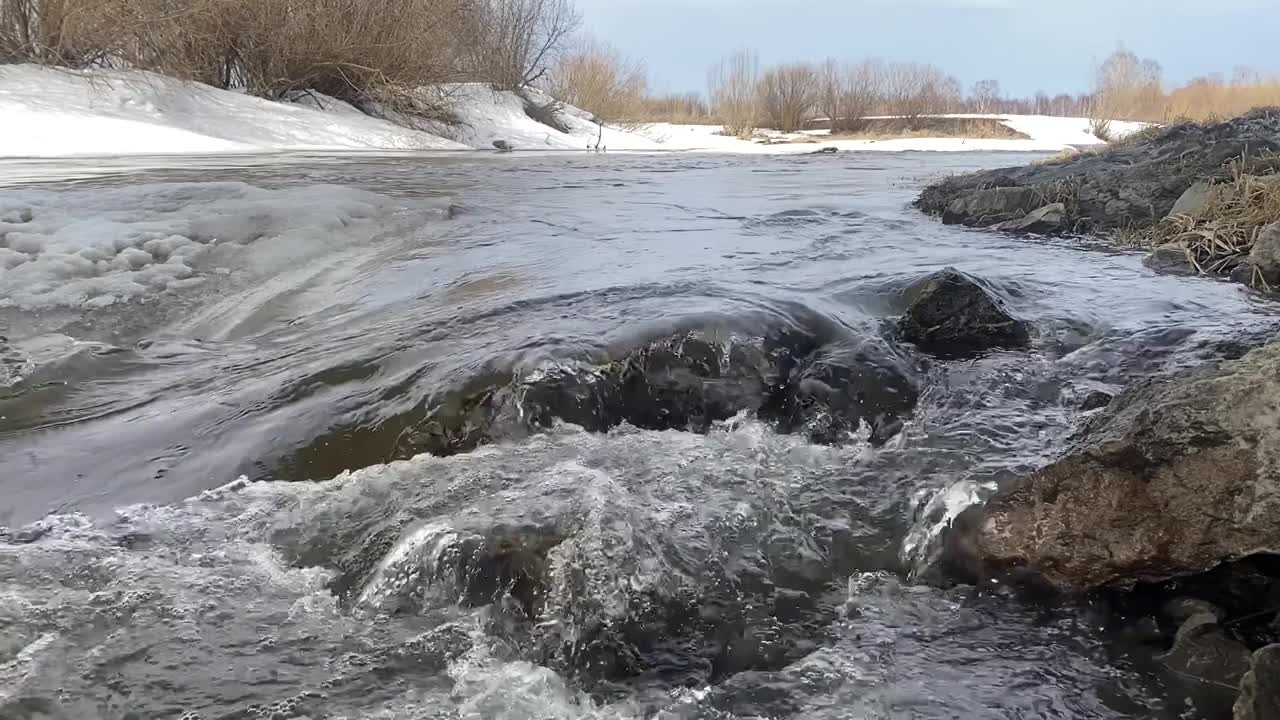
[(686, 381), (1202, 651), (1260, 690), (846, 386), (1175, 477), (952, 313)]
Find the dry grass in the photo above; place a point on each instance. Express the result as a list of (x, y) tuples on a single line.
[(1227, 226), (930, 127)]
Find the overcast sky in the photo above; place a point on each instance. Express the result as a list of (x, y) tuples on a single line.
[(1027, 45)]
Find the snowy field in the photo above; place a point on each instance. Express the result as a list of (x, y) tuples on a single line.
[(54, 113)]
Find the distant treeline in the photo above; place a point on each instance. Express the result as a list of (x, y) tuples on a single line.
[(742, 95)]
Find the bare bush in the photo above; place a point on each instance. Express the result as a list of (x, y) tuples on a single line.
[(522, 40), (733, 85), (686, 109), (913, 90), (1126, 86), (848, 92), (788, 94), (72, 33), (597, 78)]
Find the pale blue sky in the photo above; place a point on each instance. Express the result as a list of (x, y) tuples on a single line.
[(1025, 44)]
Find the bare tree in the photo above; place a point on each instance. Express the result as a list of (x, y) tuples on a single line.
[(913, 90), (986, 93), (788, 94), (733, 84), (847, 92), (523, 39), (1126, 86), (596, 77)]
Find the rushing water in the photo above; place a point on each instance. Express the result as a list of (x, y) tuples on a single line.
[(639, 573)]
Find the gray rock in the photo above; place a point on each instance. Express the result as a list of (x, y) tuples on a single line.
[(1202, 651), (1182, 609), (991, 206), (1260, 690), (1177, 476), (1048, 219), (953, 314), (1265, 256), (1169, 258), (1193, 200), (503, 146)]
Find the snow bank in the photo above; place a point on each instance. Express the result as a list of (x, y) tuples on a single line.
[(1047, 134), (94, 248), (48, 112), (486, 115)]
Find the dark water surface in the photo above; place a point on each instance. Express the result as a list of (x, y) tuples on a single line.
[(741, 573)]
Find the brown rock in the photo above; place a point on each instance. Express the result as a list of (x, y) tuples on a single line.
[(1176, 476), (1265, 256), (1260, 690)]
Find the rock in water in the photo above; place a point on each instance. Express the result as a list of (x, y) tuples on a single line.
[(1204, 652), (1260, 690), (1175, 477), (1170, 258), (952, 313), (503, 146), (991, 206), (1048, 219), (841, 387)]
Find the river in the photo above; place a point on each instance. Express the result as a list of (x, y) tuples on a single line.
[(209, 363)]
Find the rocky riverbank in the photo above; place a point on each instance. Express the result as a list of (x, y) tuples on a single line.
[(1201, 198), (1168, 498)]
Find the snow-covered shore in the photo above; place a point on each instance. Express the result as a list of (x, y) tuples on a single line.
[(53, 113)]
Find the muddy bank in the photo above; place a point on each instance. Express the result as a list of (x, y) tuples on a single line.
[(1199, 196)]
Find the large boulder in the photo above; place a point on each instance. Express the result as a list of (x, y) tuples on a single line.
[(1178, 475), (991, 206), (1260, 690), (952, 313)]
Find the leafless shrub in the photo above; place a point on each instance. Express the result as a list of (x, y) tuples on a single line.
[(848, 92), (733, 85), (522, 40), (788, 94), (71, 33), (686, 109), (599, 79), (913, 90)]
